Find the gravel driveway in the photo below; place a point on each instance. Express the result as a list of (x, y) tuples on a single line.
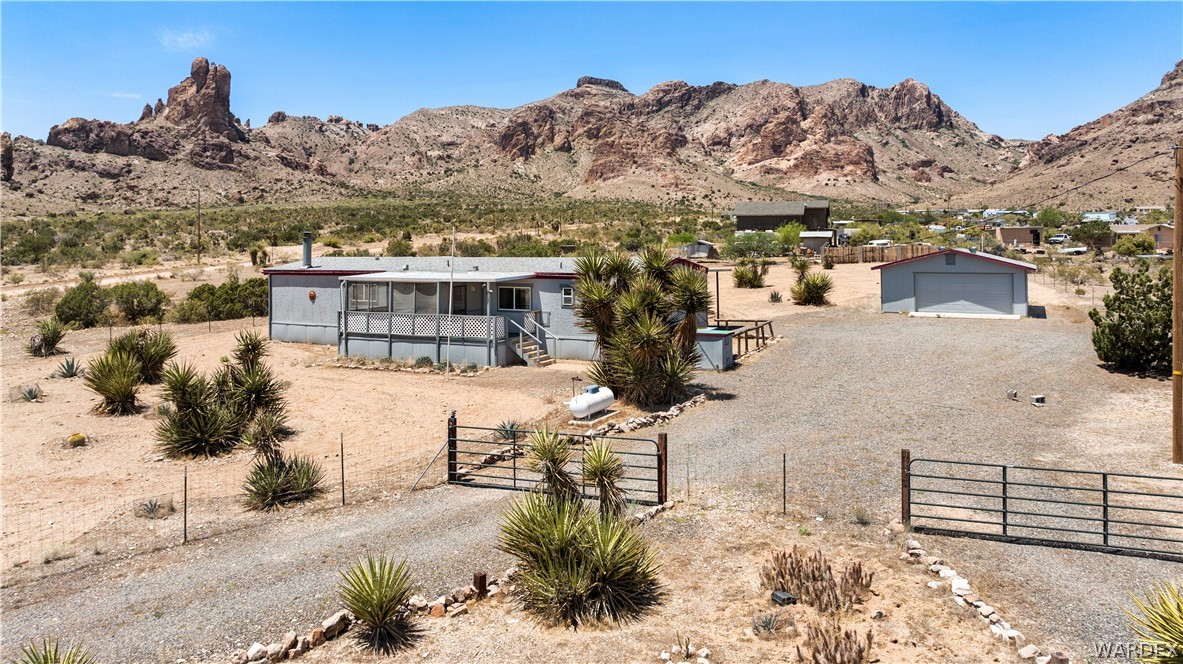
[(840, 395)]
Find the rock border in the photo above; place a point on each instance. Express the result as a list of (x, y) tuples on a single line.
[(634, 423), (964, 596)]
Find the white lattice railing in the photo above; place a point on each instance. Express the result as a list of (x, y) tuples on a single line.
[(383, 323)]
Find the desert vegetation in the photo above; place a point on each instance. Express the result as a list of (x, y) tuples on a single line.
[(375, 591), (1158, 623), (50, 651), (1133, 332), (645, 317)]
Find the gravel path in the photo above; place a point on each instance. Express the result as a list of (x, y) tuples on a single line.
[(840, 395)]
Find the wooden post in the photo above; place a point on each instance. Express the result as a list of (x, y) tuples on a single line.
[(342, 469), (480, 581), (905, 488), (784, 484), (1177, 316), (662, 461), (453, 475)]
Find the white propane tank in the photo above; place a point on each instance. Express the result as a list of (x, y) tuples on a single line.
[(593, 399)]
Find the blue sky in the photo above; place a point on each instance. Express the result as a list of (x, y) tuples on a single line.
[(1021, 70)]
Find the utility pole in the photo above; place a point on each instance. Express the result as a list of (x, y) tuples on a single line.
[(199, 227), (1177, 315)]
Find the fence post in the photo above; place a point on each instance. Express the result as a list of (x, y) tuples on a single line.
[(1005, 493), (452, 474), (1105, 508), (662, 461), (185, 508), (784, 483), (342, 469), (905, 488)]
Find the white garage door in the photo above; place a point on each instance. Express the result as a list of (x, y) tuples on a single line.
[(964, 293)]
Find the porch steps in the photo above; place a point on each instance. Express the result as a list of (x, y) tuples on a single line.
[(534, 356)]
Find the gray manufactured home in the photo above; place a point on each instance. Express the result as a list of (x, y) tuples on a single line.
[(487, 311)]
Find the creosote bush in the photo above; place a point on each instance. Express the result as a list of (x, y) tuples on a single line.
[(375, 591)]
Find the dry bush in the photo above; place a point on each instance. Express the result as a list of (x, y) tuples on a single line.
[(828, 643), (811, 579)]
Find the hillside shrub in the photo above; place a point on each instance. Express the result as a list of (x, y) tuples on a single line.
[(399, 247), (1133, 333), (1134, 245), (231, 300), (188, 311), (42, 301)]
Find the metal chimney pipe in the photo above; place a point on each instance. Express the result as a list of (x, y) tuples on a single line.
[(307, 249)]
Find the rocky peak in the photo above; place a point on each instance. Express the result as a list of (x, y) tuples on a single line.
[(600, 82), (1173, 76), (202, 102)]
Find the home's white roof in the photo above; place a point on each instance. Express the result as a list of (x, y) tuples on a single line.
[(468, 276), (817, 233)]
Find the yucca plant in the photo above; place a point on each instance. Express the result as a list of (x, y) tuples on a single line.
[(281, 481), (68, 368), (801, 268), (251, 347), (50, 651), (116, 378), (31, 393), (152, 349), (690, 296), (508, 431), (775, 297), (603, 468), (375, 591), (207, 431), (49, 334), (813, 290), (255, 388), (185, 388), (1159, 623), (827, 262), (266, 432), (548, 456), (575, 567)]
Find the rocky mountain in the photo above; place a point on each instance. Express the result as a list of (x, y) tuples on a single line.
[(715, 143), (1124, 138)]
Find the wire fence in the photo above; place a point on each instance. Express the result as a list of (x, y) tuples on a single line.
[(202, 499)]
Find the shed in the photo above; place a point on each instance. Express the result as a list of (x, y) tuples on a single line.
[(700, 249), (957, 282), (815, 241), (1019, 235)]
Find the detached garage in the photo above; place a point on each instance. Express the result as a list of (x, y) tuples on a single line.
[(955, 282)]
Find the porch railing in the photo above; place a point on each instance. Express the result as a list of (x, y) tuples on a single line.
[(385, 323)]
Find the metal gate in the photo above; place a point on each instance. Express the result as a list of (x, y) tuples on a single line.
[(1120, 513), (494, 458)]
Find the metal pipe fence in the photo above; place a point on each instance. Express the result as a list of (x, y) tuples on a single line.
[(1083, 509)]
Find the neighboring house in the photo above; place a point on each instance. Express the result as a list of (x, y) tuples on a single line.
[(1012, 236), (700, 249), (815, 241), (1107, 217), (1147, 209), (770, 215), (1163, 234), (955, 282), (499, 310)]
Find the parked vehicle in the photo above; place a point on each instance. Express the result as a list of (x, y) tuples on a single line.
[(1074, 251), (879, 243), (1058, 238)]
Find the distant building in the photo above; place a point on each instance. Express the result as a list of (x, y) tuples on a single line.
[(1107, 217), (1163, 234), (1012, 236), (700, 249), (1147, 209), (815, 241), (770, 215)]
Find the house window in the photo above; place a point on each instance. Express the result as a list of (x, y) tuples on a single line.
[(513, 298), (568, 297), (426, 299), (368, 297), (950, 259)]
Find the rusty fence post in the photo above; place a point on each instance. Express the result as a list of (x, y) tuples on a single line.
[(480, 581), (905, 488), (662, 462), (453, 475)]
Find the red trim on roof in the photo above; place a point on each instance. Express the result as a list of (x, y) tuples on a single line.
[(554, 275), (691, 264), (319, 273), (985, 257)]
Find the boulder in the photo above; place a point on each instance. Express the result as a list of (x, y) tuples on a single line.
[(289, 641), (256, 653), (277, 117), (1028, 652)]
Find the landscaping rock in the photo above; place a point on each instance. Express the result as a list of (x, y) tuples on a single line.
[(947, 573), (936, 569), (316, 637), (275, 652), (417, 603), (437, 610), (985, 610), (912, 544), (664, 656), (238, 657), (704, 653), (256, 653), (1016, 636), (335, 624), (1028, 652), (879, 614), (458, 609), (289, 641), (935, 584)]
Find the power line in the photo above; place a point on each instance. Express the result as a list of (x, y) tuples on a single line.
[(1098, 179)]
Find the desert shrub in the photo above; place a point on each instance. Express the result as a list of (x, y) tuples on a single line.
[(41, 301), (576, 567), (829, 643), (115, 377), (747, 276), (749, 245), (801, 267), (1133, 333), (45, 342), (277, 482), (813, 290), (250, 347), (789, 236), (827, 262), (399, 247), (604, 469), (812, 580), (233, 299), (375, 591), (50, 651), (137, 257), (188, 311), (775, 297), (1159, 623), (331, 241), (1133, 245), (31, 393), (548, 456), (151, 348), (68, 368), (83, 305), (423, 362), (138, 300)]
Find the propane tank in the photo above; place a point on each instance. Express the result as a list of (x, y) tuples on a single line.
[(593, 399)]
